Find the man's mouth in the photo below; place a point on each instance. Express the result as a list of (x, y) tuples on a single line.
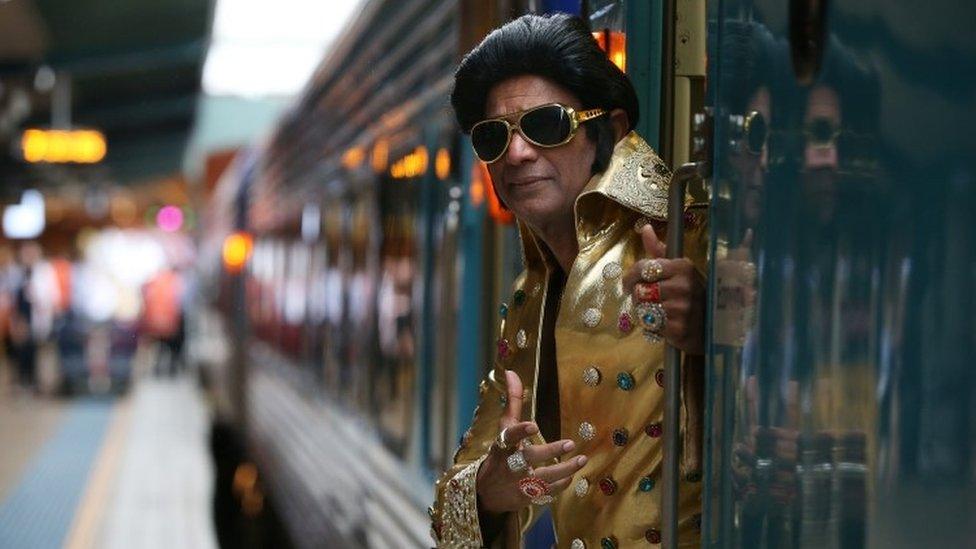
[(525, 181)]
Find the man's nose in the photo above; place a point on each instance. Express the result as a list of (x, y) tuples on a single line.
[(520, 150)]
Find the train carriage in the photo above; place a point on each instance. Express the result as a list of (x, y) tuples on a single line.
[(839, 404)]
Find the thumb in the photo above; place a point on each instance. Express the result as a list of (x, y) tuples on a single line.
[(652, 246), (513, 410)]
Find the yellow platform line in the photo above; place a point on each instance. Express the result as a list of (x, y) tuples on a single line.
[(91, 507)]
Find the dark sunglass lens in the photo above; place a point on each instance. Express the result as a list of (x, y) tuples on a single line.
[(489, 139), (820, 131), (546, 125)]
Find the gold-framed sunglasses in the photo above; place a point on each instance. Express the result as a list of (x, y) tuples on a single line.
[(547, 126)]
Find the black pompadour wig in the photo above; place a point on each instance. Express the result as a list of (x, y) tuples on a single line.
[(557, 47)]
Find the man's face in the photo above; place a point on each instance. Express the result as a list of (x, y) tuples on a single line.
[(539, 185)]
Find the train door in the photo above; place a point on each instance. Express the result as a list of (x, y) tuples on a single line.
[(841, 388)]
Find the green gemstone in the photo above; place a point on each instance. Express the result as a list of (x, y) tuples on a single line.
[(646, 484), (503, 310), (625, 381), (519, 298), (608, 543)]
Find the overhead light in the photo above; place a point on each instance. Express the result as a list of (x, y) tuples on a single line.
[(25, 220)]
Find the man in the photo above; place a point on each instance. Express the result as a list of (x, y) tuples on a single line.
[(574, 399)]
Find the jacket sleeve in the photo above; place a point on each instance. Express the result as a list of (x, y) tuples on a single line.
[(454, 515)]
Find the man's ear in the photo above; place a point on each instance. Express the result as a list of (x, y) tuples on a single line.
[(620, 122)]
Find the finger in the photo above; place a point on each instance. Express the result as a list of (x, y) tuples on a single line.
[(653, 247), (560, 485), (568, 468), (545, 452), (513, 408), (517, 431)]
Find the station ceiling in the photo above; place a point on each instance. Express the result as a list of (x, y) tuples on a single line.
[(132, 70)]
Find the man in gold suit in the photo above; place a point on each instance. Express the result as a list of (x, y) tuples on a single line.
[(570, 415)]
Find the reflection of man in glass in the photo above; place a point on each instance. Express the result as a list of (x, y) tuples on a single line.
[(570, 416)]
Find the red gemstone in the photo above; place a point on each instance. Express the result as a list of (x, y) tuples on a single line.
[(625, 323), (608, 486), (654, 430), (503, 348), (659, 377), (653, 535)]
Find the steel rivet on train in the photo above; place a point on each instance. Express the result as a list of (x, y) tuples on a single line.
[(592, 376), (591, 317)]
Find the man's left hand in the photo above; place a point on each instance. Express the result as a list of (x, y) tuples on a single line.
[(678, 288)]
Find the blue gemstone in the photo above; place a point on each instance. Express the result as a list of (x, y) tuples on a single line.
[(625, 381), (649, 318), (646, 484), (503, 310)]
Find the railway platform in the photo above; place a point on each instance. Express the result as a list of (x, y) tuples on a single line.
[(107, 472)]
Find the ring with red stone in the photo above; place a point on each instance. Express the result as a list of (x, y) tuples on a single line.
[(533, 487), (652, 271), (648, 292)]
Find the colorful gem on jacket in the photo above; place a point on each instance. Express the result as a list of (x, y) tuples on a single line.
[(620, 437), (646, 484), (587, 431), (521, 340), (625, 323), (591, 317), (608, 542), (608, 486), (693, 476), (503, 310), (592, 376), (625, 381), (577, 544), (652, 535), (612, 270), (504, 349), (659, 377), (654, 430), (519, 297), (582, 487), (652, 315)]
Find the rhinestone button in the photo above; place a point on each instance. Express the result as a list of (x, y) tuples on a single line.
[(519, 298), (521, 340), (536, 288), (653, 535), (654, 430), (620, 437), (587, 431), (504, 349), (582, 487), (625, 381), (612, 270), (659, 377), (591, 317), (608, 486), (625, 323), (577, 544), (608, 542), (591, 376), (646, 484)]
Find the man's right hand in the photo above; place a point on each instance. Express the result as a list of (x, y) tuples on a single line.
[(497, 485)]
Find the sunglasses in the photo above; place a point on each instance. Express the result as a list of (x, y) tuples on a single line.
[(545, 126)]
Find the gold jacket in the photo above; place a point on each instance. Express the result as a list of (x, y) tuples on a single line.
[(610, 377)]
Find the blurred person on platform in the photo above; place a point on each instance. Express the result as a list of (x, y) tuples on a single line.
[(163, 318), (35, 299), (10, 274), (575, 398)]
